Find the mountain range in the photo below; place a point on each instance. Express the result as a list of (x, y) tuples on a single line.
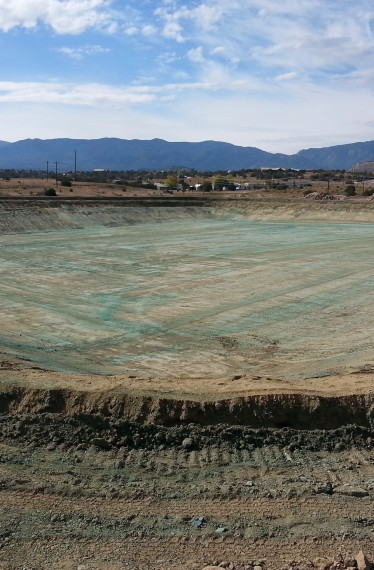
[(158, 154)]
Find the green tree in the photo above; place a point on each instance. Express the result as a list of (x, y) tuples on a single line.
[(206, 187), (66, 182), (220, 183), (171, 182)]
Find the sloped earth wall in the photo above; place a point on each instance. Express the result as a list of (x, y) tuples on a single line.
[(38, 222)]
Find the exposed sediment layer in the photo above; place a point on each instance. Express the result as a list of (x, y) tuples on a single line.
[(314, 404)]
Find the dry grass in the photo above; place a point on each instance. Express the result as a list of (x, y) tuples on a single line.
[(36, 187)]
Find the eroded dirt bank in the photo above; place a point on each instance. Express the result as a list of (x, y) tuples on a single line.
[(311, 404)]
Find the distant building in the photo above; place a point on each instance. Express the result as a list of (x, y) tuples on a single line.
[(263, 168), (161, 186), (363, 167)]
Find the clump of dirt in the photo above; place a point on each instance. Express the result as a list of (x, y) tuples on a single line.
[(107, 432)]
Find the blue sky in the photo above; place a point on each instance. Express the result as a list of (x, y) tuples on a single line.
[(281, 76)]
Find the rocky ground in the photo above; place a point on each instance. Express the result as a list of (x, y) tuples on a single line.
[(96, 493)]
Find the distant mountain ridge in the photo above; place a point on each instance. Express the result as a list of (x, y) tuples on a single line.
[(158, 154)]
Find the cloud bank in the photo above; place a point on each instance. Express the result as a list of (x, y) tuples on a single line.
[(265, 66)]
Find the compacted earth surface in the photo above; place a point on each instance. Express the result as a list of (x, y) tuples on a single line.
[(186, 387), (96, 493)]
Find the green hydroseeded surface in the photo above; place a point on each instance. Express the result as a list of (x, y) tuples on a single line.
[(197, 296)]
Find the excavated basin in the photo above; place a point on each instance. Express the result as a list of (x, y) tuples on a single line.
[(179, 292)]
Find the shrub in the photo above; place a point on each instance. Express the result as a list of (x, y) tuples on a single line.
[(368, 192), (49, 192), (350, 190)]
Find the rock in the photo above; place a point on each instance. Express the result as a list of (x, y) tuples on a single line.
[(324, 488), (187, 442), (257, 568), (100, 442), (198, 522), (351, 491), (291, 493), (221, 530), (212, 568), (362, 562), (322, 563)]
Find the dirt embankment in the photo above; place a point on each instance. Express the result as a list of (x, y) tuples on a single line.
[(298, 411), (44, 214), (258, 208), (312, 404)]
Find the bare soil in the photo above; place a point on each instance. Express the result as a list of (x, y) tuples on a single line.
[(112, 472)]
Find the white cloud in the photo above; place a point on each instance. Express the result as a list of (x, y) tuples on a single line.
[(196, 55), (149, 30), (63, 16), (80, 53), (173, 30), (219, 50), (146, 30), (286, 76), (206, 17), (131, 30), (72, 94), (268, 37), (101, 94), (178, 22)]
